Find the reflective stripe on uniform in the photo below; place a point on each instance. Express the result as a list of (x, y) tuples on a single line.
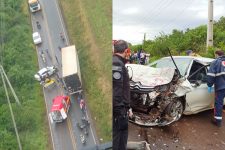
[(216, 75), (116, 68), (218, 118), (219, 74), (211, 74)]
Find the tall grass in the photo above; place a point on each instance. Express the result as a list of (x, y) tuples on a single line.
[(20, 64)]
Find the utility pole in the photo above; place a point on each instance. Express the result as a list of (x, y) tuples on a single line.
[(143, 44), (210, 25)]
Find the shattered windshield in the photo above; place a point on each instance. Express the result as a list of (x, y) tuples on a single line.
[(182, 64)]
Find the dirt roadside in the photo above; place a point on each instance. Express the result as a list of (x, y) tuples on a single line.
[(194, 132)]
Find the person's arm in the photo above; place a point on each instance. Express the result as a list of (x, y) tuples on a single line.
[(211, 74), (117, 75), (126, 86)]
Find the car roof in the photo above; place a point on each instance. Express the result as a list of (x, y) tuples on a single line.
[(35, 34), (57, 103), (42, 70), (200, 59), (32, 1)]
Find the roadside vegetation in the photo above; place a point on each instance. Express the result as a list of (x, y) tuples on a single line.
[(90, 29), (20, 64), (190, 39)]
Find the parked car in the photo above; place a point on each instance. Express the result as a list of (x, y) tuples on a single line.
[(36, 38), (44, 73), (160, 93)]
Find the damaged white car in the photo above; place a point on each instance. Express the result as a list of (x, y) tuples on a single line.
[(159, 96)]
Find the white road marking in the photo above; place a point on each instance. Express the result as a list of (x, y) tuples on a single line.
[(53, 145), (62, 23)]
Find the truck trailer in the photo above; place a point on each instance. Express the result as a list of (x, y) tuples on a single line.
[(71, 76)]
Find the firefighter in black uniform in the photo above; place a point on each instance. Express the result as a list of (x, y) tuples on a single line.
[(121, 96)]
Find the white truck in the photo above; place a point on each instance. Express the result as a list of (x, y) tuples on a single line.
[(71, 76), (34, 5)]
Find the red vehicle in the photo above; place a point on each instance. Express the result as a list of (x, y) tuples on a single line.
[(60, 108)]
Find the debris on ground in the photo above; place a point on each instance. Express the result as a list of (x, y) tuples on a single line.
[(190, 133), (142, 145)]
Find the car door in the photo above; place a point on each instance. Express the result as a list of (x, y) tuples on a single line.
[(198, 99)]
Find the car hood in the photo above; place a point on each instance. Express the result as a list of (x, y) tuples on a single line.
[(149, 76), (145, 78)]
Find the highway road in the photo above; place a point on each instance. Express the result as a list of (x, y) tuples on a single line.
[(65, 135)]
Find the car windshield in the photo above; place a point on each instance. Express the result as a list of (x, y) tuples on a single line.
[(36, 37), (182, 64), (42, 71), (56, 115), (35, 4)]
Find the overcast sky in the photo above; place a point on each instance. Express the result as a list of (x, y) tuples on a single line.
[(133, 18)]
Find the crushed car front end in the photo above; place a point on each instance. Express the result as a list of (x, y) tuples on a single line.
[(157, 95)]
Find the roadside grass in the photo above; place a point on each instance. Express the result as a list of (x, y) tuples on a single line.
[(20, 64), (90, 28)]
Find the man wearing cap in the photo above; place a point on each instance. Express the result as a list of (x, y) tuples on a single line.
[(121, 95), (216, 77)]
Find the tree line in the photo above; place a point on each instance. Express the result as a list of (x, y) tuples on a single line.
[(179, 41)]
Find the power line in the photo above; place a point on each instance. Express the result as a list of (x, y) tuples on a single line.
[(157, 7), (160, 10), (148, 19), (179, 14), (11, 112), (10, 86)]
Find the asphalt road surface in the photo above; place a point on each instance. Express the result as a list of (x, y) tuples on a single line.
[(193, 132), (65, 135)]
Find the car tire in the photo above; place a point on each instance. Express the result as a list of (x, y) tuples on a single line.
[(175, 109)]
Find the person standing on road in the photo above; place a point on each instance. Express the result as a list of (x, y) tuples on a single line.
[(142, 57), (216, 77), (121, 96)]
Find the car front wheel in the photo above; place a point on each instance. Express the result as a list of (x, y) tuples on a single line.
[(175, 109)]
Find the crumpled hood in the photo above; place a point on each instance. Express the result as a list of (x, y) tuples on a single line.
[(155, 95), (148, 76)]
